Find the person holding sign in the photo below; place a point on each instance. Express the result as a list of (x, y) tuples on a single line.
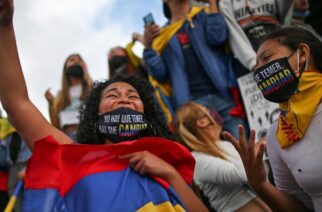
[(130, 170), (289, 72)]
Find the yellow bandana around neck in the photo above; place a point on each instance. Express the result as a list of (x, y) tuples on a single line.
[(166, 33), (296, 114), (5, 128)]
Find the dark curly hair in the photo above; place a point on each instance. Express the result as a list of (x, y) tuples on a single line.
[(87, 130)]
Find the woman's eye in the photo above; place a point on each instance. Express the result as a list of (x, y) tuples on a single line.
[(133, 97), (111, 96), (267, 58)]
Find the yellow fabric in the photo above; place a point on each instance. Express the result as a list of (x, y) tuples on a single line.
[(11, 204), (133, 57), (166, 33), (296, 114), (5, 128), (166, 89), (166, 206), (163, 106)]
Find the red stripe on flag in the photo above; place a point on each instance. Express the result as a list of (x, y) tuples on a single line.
[(59, 166)]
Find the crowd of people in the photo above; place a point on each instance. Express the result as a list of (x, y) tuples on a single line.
[(170, 127)]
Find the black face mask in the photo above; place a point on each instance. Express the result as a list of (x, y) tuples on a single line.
[(166, 11), (122, 124), (117, 62), (277, 80), (75, 71)]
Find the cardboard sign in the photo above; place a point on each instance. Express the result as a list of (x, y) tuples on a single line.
[(260, 112)]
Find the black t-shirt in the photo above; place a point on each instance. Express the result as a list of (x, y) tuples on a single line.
[(199, 82)]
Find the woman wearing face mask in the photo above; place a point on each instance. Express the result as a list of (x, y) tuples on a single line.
[(219, 170), (288, 72), (76, 84), (120, 174), (119, 62)]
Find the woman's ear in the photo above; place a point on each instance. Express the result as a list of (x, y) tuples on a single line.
[(305, 52)]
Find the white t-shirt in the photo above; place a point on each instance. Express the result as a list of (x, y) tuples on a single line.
[(298, 169), (223, 182), (69, 116)]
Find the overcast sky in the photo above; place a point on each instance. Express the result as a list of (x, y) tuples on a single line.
[(47, 31)]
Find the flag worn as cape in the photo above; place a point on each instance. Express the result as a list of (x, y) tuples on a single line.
[(79, 177)]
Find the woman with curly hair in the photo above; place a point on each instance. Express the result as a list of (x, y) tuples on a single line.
[(130, 170), (89, 112), (76, 84), (219, 170)]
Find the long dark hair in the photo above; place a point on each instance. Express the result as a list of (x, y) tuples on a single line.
[(87, 129), (292, 37)]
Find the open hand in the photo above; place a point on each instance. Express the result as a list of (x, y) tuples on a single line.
[(147, 163), (6, 12), (251, 155)]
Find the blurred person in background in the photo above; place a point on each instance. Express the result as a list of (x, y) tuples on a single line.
[(219, 172), (248, 22), (189, 54), (14, 157), (315, 16), (4, 170), (300, 12), (124, 61), (76, 83)]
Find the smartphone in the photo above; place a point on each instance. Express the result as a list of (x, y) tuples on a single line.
[(148, 19)]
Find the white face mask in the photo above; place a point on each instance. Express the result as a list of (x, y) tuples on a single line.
[(75, 91)]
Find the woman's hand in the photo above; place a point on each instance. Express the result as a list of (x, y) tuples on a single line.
[(151, 31), (252, 157), (6, 12), (147, 163), (49, 96), (138, 37)]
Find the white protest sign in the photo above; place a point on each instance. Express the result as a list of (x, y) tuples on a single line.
[(260, 112)]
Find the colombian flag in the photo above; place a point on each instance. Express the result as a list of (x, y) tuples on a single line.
[(80, 177)]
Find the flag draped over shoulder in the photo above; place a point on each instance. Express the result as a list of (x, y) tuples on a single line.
[(93, 178)]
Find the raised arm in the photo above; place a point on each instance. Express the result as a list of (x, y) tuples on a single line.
[(240, 44), (13, 91), (152, 59), (215, 24)]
